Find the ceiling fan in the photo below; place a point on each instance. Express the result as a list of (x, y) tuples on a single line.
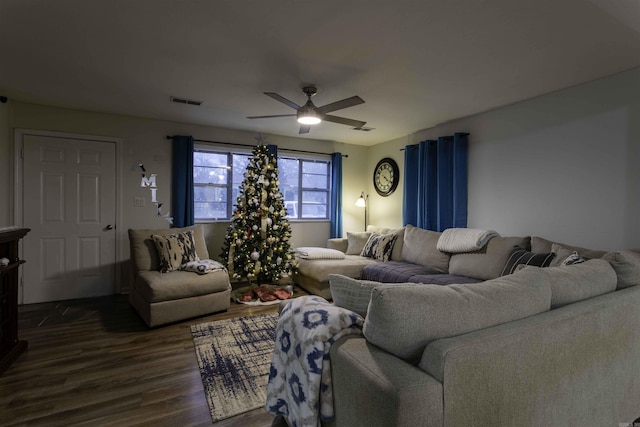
[(309, 114)]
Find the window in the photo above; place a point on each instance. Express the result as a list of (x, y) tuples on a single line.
[(304, 183)]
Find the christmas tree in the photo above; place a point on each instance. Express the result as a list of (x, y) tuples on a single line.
[(256, 243)]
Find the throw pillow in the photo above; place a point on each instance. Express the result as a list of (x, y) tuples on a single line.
[(356, 242), (572, 259), (379, 246), (521, 256), (175, 250)]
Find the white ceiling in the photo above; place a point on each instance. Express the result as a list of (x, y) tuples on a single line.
[(415, 63)]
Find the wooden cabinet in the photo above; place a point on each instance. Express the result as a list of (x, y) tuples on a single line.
[(10, 346)]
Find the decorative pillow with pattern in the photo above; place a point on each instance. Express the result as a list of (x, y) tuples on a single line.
[(175, 250), (521, 256), (379, 246), (574, 258)]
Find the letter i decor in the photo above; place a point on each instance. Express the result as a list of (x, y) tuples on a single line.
[(150, 183)]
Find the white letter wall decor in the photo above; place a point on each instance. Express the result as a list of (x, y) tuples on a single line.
[(150, 183)]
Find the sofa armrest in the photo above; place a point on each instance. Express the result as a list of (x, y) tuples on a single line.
[(374, 388), (339, 244), (570, 365)]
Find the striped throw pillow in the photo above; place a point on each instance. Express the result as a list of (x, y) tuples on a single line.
[(521, 256)]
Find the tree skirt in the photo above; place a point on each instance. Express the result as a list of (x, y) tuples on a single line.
[(234, 356)]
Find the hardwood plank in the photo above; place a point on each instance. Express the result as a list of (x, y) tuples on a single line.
[(94, 362)]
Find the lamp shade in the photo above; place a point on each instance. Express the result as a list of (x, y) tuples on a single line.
[(362, 201)]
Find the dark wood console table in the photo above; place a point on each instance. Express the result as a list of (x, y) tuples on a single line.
[(10, 346)]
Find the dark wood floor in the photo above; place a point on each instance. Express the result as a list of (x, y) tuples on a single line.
[(93, 362)]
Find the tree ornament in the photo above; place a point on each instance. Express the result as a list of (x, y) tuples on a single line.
[(255, 255)]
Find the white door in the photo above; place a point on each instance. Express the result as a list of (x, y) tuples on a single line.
[(69, 203)]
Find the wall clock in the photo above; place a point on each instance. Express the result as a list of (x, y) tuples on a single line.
[(386, 176)]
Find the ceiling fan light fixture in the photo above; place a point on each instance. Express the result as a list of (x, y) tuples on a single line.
[(308, 118)]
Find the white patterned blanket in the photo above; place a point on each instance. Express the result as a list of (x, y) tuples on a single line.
[(202, 266), (319, 253), (458, 240), (299, 385)]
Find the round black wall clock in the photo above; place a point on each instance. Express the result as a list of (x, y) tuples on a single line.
[(386, 176)]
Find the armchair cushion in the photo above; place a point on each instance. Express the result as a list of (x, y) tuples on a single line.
[(155, 286)]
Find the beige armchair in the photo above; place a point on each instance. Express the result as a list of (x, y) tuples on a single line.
[(161, 298)]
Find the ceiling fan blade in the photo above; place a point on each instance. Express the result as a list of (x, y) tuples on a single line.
[(268, 117), (304, 129), (343, 121), (283, 100), (339, 105)]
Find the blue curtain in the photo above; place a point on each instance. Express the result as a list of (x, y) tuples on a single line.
[(435, 183), (182, 181), (336, 196)]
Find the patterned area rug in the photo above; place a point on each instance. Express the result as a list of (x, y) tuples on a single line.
[(234, 356)]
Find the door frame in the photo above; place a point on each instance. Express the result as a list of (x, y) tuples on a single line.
[(18, 192)]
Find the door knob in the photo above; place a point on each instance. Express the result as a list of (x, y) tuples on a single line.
[(109, 227)]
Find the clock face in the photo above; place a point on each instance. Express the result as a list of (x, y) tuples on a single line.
[(386, 176)]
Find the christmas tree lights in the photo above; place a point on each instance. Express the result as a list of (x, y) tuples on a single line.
[(256, 246)]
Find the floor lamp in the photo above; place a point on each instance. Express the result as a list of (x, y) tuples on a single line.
[(362, 203)]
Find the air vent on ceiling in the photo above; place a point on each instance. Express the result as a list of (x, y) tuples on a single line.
[(363, 129), (185, 101)]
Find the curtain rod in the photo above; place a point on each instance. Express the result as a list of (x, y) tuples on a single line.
[(457, 133), (233, 144)]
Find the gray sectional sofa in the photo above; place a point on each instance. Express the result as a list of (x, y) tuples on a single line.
[(414, 258), (553, 346)]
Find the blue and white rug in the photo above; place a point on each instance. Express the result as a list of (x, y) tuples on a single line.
[(234, 356)]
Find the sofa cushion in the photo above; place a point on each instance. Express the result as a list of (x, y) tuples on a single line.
[(573, 283), (521, 256), (319, 269), (154, 286), (352, 294), (338, 243), (488, 262), (403, 319), (175, 249), (144, 253), (627, 267), (406, 272), (356, 242), (419, 247), (541, 245), (379, 246)]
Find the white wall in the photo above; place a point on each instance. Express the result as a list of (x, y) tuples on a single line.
[(563, 166), (6, 166), (145, 140)]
